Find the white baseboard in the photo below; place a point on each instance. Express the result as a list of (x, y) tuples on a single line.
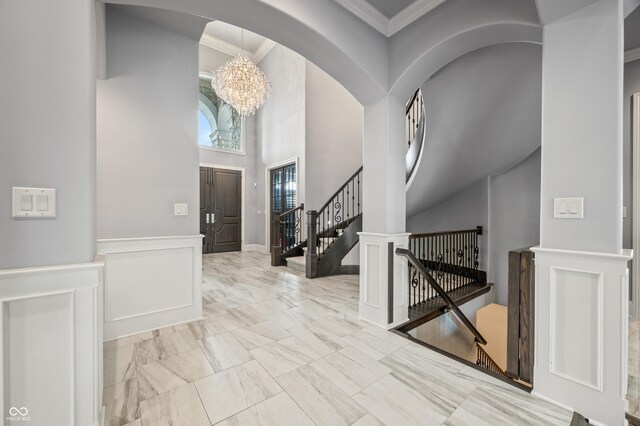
[(255, 247), (150, 283), (56, 313)]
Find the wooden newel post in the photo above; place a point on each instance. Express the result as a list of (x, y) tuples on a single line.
[(276, 249), (312, 244)]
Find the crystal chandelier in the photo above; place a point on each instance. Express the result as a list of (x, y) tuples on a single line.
[(241, 84)]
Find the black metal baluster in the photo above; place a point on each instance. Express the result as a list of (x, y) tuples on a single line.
[(468, 250), (422, 282), (449, 251)]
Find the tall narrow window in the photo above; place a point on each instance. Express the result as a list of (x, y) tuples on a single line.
[(283, 191)]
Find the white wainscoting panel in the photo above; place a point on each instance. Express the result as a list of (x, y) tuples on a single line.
[(51, 337), (150, 283), (373, 275), (581, 331), (576, 353), (374, 270)]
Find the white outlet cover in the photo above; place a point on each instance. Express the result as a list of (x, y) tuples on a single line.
[(33, 203), (181, 209)]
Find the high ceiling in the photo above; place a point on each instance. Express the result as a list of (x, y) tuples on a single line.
[(234, 40), (390, 8), (389, 16)]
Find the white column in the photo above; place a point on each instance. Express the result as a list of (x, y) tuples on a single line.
[(581, 269), (384, 212)]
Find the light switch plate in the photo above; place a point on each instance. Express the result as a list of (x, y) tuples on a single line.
[(181, 209), (568, 208), (34, 203)]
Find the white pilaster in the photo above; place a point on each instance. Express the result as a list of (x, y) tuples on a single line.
[(581, 331), (376, 297), (51, 345), (581, 269), (384, 213)]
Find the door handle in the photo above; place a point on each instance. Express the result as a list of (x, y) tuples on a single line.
[(213, 218), (206, 217)]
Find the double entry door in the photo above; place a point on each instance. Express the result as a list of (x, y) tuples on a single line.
[(283, 195), (220, 210)]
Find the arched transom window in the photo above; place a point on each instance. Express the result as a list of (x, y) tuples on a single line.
[(220, 127)]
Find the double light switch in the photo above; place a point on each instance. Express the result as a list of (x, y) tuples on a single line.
[(34, 202), (568, 208)]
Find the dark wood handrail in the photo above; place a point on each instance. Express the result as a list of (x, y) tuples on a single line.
[(341, 188), (443, 294), (300, 207), (478, 229), (413, 99)]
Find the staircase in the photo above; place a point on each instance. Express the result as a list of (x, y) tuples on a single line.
[(452, 262), (415, 132), (331, 233)]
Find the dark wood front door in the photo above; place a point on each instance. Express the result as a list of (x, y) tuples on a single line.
[(220, 210), (283, 194)]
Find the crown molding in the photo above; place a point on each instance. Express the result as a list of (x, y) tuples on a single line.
[(632, 55), (262, 51), (220, 45), (370, 15), (233, 50), (412, 13), (367, 13)]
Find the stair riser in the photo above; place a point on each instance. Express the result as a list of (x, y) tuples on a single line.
[(296, 266)]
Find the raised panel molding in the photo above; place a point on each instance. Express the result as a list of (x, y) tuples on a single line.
[(373, 275), (374, 290), (150, 283), (576, 353), (51, 337), (581, 331)]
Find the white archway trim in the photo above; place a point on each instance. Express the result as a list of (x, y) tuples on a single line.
[(455, 46), (345, 47)]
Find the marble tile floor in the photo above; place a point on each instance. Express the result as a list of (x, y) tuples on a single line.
[(633, 378), (277, 349)]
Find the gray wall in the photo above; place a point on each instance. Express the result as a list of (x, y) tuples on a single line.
[(47, 128), (333, 136), (631, 86), (514, 218), (483, 114), (465, 210), (210, 60), (507, 206), (147, 131), (280, 123), (568, 169), (632, 30)]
